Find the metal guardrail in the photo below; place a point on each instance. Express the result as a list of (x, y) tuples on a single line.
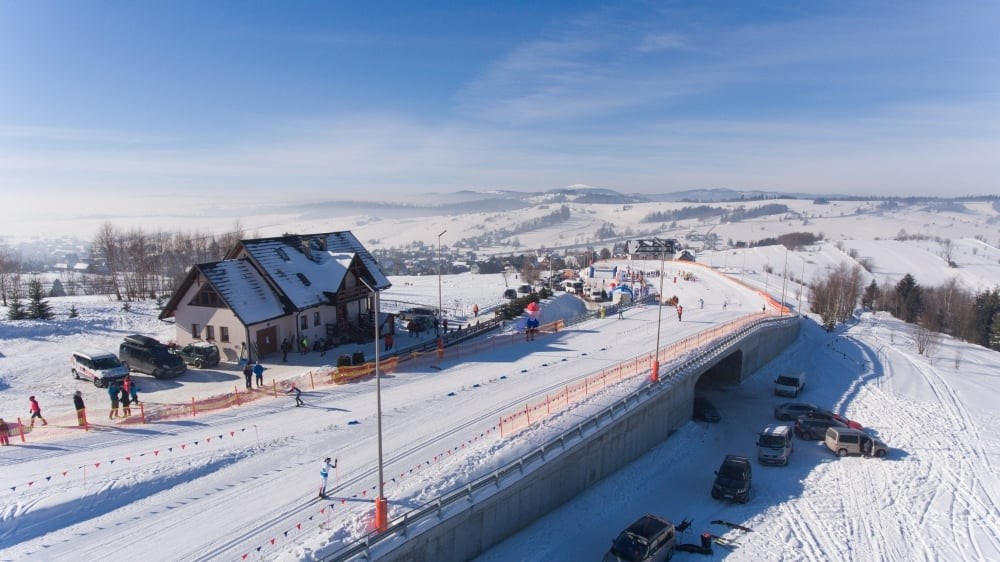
[(361, 549)]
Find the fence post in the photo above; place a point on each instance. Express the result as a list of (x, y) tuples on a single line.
[(236, 392), (142, 412), (312, 383), (194, 411), (20, 428)]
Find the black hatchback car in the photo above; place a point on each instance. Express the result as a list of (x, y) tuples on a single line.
[(813, 427), (732, 480)]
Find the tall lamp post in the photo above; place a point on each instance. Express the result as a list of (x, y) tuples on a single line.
[(440, 342), (381, 504), (654, 376)]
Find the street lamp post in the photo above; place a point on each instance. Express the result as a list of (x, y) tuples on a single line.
[(654, 376), (440, 342), (381, 504)]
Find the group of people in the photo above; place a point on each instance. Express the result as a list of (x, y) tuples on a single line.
[(125, 394), (252, 371)]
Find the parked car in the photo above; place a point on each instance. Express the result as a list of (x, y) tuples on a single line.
[(830, 415), (813, 428), (510, 294), (733, 479), (147, 355), (705, 410), (650, 539), (199, 354), (525, 289), (788, 411), (775, 444), (101, 367), (790, 385), (848, 441)]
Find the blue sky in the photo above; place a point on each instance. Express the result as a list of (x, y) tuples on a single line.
[(290, 100)]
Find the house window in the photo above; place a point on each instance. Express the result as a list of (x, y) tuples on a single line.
[(316, 318), (304, 322), (304, 279), (196, 331), (210, 333), (207, 297), (223, 333)]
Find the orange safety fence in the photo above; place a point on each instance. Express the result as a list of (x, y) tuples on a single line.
[(580, 390)]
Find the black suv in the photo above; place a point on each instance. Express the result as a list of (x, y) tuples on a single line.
[(199, 354), (732, 480), (147, 355), (812, 427), (650, 539)]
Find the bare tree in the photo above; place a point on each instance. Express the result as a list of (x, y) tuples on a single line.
[(10, 270), (927, 340), (108, 247)]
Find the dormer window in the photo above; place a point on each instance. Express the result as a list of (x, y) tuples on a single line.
[(282, 254)]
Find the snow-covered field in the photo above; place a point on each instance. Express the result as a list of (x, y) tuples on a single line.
[(237, 484)]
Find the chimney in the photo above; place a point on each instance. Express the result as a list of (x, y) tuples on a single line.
[(322, 243), (306, 249)]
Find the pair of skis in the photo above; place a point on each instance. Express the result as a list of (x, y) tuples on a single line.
[(725, 541)]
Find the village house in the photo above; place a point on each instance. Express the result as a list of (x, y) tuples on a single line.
[(308, 286)]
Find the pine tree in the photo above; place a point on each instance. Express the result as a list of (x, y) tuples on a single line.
[(38, 309), (73, 312), (15, 309)]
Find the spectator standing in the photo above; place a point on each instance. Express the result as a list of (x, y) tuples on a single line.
[(126, 403), (305, 344), (36, 411), (285, 346), (133, 390), (258, 371), (475, 310), (388, 341), (680, 312), (127, 386), (81, 409), (248, 374), (114, 394), (4, 433)]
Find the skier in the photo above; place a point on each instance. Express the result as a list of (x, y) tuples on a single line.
[(258, 371), (680, 312), (113, 393), (298, 395), (4, 433), (248, 374), (36, 411), (324, 473), (81, 411)]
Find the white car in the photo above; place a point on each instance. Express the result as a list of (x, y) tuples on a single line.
[(101, 367)]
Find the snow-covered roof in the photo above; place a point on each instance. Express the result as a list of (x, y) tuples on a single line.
[(307, 268), (244, 289)]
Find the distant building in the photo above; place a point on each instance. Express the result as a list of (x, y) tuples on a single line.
[(650, 248), (269, 289)]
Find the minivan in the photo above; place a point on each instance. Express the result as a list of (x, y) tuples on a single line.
[(848, 441), (774, 444), (147, 355), (790, 385), (99, 366)]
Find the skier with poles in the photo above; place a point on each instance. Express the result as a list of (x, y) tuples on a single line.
[(324, 473)]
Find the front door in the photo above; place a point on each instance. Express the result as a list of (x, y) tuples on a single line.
[(267, 341)]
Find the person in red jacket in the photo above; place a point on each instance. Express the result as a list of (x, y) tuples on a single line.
[(36, 411)]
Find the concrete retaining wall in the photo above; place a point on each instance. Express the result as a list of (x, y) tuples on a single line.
[(566, 473)]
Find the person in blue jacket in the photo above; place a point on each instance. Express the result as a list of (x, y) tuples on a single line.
[(114, 393), (258, 371)]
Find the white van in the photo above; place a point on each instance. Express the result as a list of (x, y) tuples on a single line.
[(846, 441), (101, 367), (774, 444), (790, 385)]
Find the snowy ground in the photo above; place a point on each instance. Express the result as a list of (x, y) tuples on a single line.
[(238, 484)]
